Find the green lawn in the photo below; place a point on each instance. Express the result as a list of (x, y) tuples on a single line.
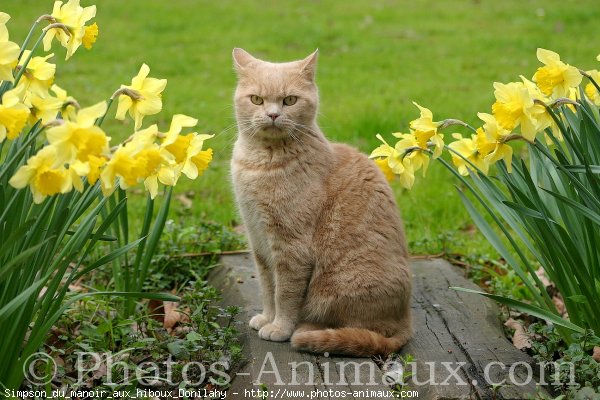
[(375, 58)]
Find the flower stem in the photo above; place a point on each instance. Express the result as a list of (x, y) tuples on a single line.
[(45, 17), (100, 120), (21, 71)]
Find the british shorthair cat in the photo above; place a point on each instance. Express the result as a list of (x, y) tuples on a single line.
[(321, 220)]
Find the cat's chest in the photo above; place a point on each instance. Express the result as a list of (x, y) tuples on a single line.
[(276, 196)]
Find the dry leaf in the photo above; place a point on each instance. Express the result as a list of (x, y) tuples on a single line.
[(172, 316), (596, 355), (156, 310), (520, 339)]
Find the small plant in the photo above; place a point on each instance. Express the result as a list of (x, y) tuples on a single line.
[(577, 373)]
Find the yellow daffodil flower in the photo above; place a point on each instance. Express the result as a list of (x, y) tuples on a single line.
[(492, 145), (122, 165), (80, 139), (467, 148), (186, 150), (44, 108), (74, 17), (45, 174), (9, 51), (38, 75), (13, 114), (69, 106), (150, 101), (396, 162), (139, 159), (514, 107), (153, 171), (425, 131), (555, 78), (409, 146), (543, 118), (590, 90), (425, 122)]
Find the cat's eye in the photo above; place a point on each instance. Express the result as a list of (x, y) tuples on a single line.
[(256, 100), (290, 100)]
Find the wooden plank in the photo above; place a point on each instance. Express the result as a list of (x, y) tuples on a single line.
[(457, 336), (464, 330), (298, 375)]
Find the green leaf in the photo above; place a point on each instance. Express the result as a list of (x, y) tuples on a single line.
[(526, 308), (178, 350), (578, 298)]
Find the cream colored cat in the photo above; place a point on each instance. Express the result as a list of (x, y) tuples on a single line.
[(321, 220)]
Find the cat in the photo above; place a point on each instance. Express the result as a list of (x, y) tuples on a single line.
[(321, 219)]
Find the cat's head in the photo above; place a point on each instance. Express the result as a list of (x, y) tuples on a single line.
[(275, 100)]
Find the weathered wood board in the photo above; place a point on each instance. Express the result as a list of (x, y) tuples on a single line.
[(459, 349)]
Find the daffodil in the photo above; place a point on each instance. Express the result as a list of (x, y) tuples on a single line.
[(491, 141), (153, 162), (555, 78), (74, 17), (590, 90), (80, 139), (396, 163), (149, 102), (45, 174), (123, 165), (139, 159), (514, 107), (543, 118), (69, 106), (44, 108), (425, 131), (467, 154), (38, 75), (9, 51), (13, 114), (409, 146), (186, 150)]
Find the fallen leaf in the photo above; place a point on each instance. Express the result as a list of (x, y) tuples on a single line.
[(520, 339), (596, 355), (172, 316), (156, 310)]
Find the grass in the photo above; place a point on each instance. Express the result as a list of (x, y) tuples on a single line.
[(375, 58)]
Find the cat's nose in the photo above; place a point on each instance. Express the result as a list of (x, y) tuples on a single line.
[(273, 116)]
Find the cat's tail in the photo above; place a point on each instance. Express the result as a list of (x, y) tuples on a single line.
[(356, 342)]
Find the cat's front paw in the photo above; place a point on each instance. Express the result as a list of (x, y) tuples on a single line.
[(258, 321), (276, 332)]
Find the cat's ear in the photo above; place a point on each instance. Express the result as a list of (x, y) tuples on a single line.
[(241, 58), (309, 65)]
